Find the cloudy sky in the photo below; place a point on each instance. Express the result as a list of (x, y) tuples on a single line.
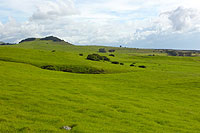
[(130, 23)]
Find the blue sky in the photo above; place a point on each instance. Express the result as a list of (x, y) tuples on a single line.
[(131, 23)]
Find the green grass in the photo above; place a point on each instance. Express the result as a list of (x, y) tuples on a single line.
[(164, 97)]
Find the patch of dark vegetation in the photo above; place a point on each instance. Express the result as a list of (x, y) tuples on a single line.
[(112, 55), (49, 67), (3, 120), (74, 69), (80, 54), (52, 38), (24, 129), (27, 40), (133, 64), (151, 55), (53, 51), (142, 66), (2, 43), (111, 50), (97, 57), (115, 62), (104, 58), (121, 63), (102, 50)]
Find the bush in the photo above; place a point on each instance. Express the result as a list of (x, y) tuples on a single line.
[(53, 51), (102, 50), (111, 50), (121, 63), (142, 66), (133, 64), (112, 55), (151, 55), (74, 69), (115, 62), (49, 67), (96, 57), (105, 58), (80, 54)]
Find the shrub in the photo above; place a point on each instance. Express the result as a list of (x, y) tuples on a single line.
[(102, 50), (96, 57), (115, 62), (151, 55), (142, 66), (133, 64), (105, 58), (53, 51), (80, 54), (111, 50), (74, 69), (112, 55), (121, 63), (49, 67)]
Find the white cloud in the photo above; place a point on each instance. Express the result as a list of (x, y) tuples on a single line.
[(54, 9), (184, 19)]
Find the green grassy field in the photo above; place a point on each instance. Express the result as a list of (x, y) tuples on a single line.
[(163, 97)]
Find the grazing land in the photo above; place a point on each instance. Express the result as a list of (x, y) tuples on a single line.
[(45, 85)]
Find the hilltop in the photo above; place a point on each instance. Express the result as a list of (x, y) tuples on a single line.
[(49, 38)]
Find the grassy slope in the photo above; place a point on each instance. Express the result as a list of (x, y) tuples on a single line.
[(164, 97)]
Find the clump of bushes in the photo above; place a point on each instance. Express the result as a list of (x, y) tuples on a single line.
[(97, 57), (74, 69), (105, 58), (49, 67), (142, 66), (53, 51), (133, 64), (111, 50), (112, 55), (102, 50), (121, 63), (115, 62), (151, 55), (80, 54)]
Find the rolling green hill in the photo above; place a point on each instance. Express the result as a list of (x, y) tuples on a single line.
[(163, 97)]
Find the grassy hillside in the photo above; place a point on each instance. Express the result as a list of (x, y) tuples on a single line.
[(163, 97)]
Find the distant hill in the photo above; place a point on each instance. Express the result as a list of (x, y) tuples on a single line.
[(49, 38), (27, 40), (3, 43)]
